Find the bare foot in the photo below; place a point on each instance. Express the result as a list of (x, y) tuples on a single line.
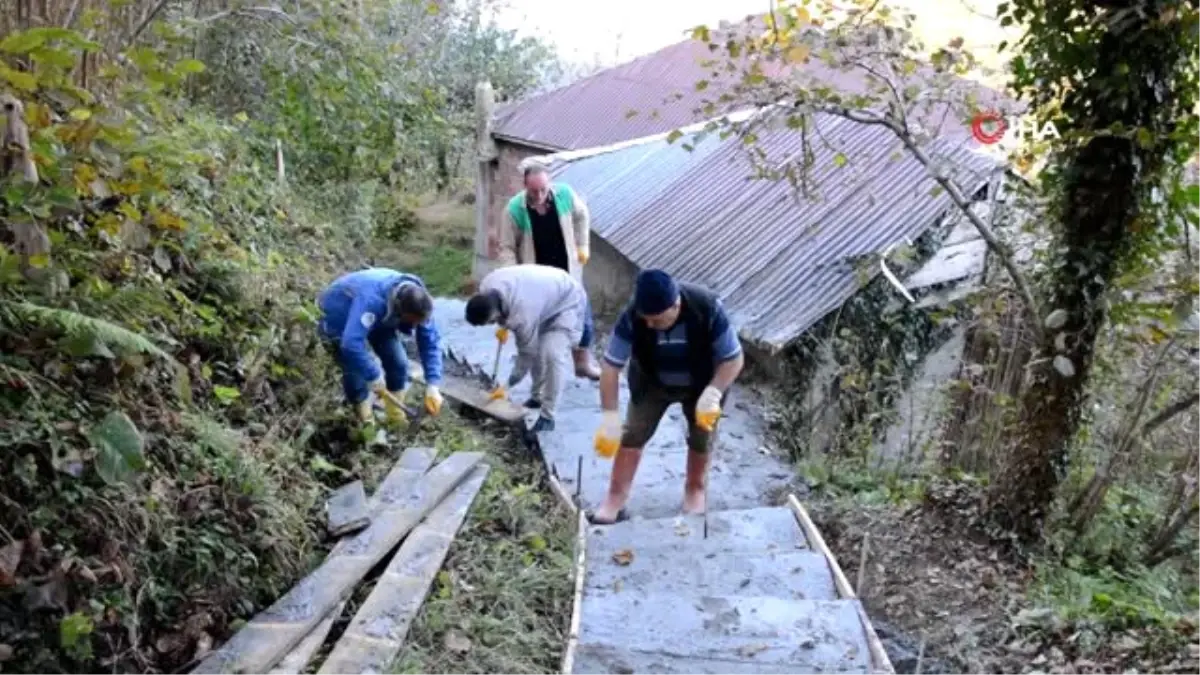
[(695, 501)]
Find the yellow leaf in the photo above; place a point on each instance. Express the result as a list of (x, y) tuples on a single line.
[(797, 54), (23, 81), (39, 261), (241, 117), (81, 114), (802, 16)]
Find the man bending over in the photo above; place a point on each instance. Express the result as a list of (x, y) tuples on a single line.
[(545, 308), (681, 348)]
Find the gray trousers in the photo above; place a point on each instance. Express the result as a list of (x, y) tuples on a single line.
[(550, 359)]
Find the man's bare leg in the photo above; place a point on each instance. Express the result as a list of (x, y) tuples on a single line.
[(624, 469), (695, 486)]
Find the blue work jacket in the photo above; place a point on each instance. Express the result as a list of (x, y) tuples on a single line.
[(355, 307)]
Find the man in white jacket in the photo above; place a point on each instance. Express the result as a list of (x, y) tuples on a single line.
[(544, 308)]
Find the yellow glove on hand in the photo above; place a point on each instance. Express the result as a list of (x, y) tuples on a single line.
[(708, 408), (502, 334), (582, 255), (433, 400), (497, 394), (394, 412), (608, 436)]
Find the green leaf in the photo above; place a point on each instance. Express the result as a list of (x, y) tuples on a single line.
[(319, 464), (85, 345), (674, 135), (226, 395), (22, 42), (702, 85), (73, 630), (119, 447), (839, 160), (189, 66), (22, 81)]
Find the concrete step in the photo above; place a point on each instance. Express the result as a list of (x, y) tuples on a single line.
[(788, 575), (763, 529), (607, 659), (665, 632)]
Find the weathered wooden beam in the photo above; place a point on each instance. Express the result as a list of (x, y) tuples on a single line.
[(376, 634), (568, 660), (403, 477), (474, 397), (271, 634)]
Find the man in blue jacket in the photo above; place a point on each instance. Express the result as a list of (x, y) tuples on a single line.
[(372, 307)]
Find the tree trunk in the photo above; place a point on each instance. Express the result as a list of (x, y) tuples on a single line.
[(1130, 71)]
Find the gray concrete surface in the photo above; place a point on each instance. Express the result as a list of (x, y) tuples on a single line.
[(663, 593)]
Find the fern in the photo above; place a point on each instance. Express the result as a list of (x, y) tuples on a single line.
[(76, 325)]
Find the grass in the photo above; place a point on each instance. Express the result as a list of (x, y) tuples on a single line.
[(502, 601), (438, 247)]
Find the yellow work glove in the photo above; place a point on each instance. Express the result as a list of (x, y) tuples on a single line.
[(502, 334), (582, 254), (708, 408), (394, 412), (497, 394), (608, 436), (433, 399)]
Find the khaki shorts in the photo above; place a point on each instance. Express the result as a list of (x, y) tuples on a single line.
[(644, 414)]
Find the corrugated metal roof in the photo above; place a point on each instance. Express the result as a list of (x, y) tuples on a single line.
[(661, 88), (780, 262)]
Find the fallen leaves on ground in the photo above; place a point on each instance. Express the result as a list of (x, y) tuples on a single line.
[(623, 557), (457, 642), (10, 557)]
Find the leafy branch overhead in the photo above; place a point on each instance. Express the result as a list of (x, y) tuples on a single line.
[(806, 60)]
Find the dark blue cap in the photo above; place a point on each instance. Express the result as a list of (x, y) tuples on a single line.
[(655, 293)]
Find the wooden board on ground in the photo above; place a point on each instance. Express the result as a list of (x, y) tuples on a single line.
[(275, 631), (568, 660), (462, 392), (403, 476), (297, 660), (376, 633), (346, 509)]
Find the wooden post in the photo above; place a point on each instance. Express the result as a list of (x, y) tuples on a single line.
[(280, 172), (485, 153)]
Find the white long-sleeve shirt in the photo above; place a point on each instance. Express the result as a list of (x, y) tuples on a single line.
[(531, 298)]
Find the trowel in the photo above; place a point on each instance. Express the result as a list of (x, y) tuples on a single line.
[(497, 391)]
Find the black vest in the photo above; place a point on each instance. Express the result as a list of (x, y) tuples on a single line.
[(696, 310)]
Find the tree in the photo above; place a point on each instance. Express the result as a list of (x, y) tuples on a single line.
[(1120, 77)]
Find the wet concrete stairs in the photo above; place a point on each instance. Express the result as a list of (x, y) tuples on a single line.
[(751, 597), (750, 588)]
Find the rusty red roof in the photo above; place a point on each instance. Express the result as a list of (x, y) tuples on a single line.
[(654, 94)]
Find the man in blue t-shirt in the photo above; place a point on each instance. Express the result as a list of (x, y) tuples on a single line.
[(680, 348)]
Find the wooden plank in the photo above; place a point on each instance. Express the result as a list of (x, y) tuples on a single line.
[(402, 477), (347, 509), (376, 634), (463, 393), (568, 661), (297, 659), (269, 636), (879, 657)]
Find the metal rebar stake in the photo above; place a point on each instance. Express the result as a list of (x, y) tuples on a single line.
[(706, 524), (579, 478)]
